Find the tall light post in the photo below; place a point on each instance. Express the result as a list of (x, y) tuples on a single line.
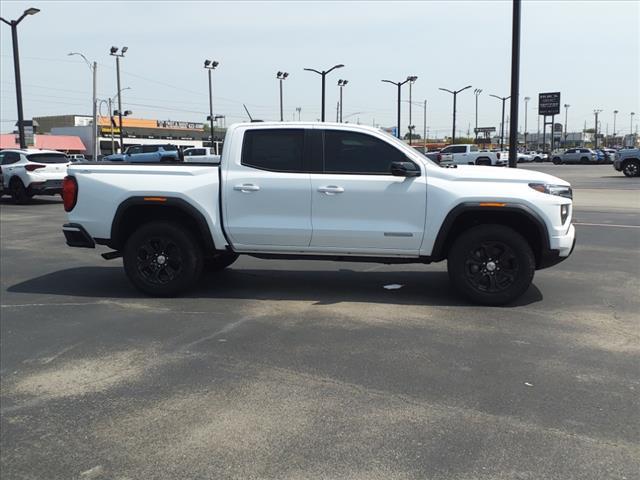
[(281, 76), (424, 129), (615, 112), (503, 99), (341, 83), (477, 93), (16, 69), (210, 66), (114, 52), (566, 115), (323, 74), (412, 79), (596, 112), (93, 67), (399, 85), (631, 128), (111, 112), (526, 104), (455, 94), (299, 110)]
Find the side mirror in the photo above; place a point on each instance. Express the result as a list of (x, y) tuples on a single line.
[(405, 169)]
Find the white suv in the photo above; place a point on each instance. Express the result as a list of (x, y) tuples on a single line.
[(30, 172)]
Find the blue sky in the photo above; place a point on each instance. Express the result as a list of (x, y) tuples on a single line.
[(588, 50)]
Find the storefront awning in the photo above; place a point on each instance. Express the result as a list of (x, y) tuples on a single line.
[(63, 143)]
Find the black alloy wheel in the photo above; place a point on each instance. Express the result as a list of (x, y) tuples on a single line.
[(491, 264), (163, 258), (631, 168)]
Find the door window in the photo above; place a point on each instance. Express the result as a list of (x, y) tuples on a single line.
[(358, 153), (459, 149), (134, 150), (277, 150), (149, 149)]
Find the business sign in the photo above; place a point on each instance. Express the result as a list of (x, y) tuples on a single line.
[(557, 127), (549, 103), (28, 135), (484, 129), (180, 125)]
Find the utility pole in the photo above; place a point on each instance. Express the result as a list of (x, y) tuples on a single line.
[(515, 84), (503, 99), (299, 110), (424, 130), (93, 67), (566, 114), (114, 52), (526, 105), (211, 65), (281, 76), (412, 80), (615, 112)]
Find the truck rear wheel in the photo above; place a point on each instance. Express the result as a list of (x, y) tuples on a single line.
[(483, 161), (491, 264), (162, 259)]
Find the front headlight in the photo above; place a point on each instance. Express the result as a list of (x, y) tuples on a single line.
[(560, 190)]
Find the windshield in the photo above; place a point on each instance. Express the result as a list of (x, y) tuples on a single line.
[(48, 158)]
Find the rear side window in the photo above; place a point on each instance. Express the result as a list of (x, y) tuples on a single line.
[(170, 148), (459, 149), (473, 148), (10, 157), (278, 150), (48, 158), (149, 148), (353, 152)]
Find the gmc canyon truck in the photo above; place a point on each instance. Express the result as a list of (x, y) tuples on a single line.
[(325, 192)]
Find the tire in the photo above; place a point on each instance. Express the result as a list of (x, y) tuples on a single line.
[(537, 159), (18, 192), (219, 261), (557, 161), (163, 259), (483, 161), (486, 247), (631, 168), (584, 160)]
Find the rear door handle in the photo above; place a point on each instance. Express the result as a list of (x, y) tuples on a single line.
[(331, 189), (247, 187)]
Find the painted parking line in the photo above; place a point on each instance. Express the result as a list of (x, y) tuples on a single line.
[(606, 225)]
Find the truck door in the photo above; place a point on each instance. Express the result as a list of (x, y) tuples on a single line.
[(267, 190), (358, 206)]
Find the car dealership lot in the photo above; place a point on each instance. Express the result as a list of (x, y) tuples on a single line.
[(302, 369)]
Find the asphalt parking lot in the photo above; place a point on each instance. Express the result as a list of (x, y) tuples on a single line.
[(290, 370)]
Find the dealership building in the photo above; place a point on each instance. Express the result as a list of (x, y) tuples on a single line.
[(135, 131)]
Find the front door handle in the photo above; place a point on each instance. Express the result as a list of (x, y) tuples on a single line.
[(331, 189), (247, 187)]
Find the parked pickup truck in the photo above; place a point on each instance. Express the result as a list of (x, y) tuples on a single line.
[(321, 191), (468, 154), (147, 154)]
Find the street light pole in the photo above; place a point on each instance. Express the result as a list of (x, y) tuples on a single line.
[(566, 115), (424, 130), (323, 74), (399, 85), (114, 52), (16, 69), (210, 66), (596, 112), (455, 94), (341, 83), (526, 109), (615, 112), (281, 76), (631, 129), (93, 67), (412, 80), (477, 93), (503, 99)]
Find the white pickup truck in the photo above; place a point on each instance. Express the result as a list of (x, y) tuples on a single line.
[(469, 154), (321, 191)]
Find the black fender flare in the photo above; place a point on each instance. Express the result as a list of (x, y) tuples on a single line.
[(438, 250), (116, 240)]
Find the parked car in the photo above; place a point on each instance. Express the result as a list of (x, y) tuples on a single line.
[(30, 172), (538, 156), (76, 157), (575, 155), (627, 161), (600, 155), (524, 157), (344, 199), (201, 154), (468, 154), (147, 154), (610, 155)]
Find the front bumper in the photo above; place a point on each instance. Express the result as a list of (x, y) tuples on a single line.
[(617, 164), (560, 248), (77, 236)]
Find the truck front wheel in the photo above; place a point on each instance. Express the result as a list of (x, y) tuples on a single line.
[(491, 264), (162, 259)]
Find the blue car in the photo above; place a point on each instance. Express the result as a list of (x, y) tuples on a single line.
[(147, 154)]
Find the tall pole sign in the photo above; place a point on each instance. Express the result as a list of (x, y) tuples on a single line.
[(548, 105)]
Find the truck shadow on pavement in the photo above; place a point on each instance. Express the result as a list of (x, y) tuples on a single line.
[(320, 286)]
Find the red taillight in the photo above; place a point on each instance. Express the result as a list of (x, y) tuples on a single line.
[(69, 193), (33, 166)]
